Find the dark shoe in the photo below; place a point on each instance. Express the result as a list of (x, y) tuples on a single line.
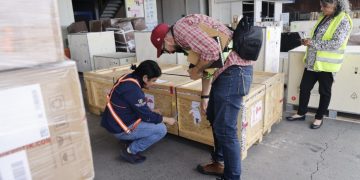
[(126, 143), (313, 126), (132, 158), (213, 168), (301, 118)]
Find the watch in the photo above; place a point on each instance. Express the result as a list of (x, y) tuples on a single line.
[(205, 96)]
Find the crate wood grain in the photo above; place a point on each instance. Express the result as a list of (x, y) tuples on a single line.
[(195, 126), (98, 84), (163, 96), (274, 83)]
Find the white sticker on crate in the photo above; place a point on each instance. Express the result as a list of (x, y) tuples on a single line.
[(15, 166), (256, 113), (195, 112), (23, 118), (160, 81), (150, 101)]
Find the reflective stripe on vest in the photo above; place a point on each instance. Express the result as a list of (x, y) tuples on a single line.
[(112, 111), (331, 60)]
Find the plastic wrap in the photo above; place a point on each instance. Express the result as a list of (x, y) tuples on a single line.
[(29, 33), (43, 124)]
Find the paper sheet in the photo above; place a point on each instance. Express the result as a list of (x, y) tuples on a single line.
[(195, 112), (15, 166), (256, 113), (23, 118), (159, 81), (150, 100)]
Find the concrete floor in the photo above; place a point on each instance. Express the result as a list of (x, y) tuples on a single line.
[(291, 151)]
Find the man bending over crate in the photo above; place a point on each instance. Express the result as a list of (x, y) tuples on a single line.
[(222, 91)]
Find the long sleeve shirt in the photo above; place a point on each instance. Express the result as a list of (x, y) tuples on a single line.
[(130, 104), (318, 44), (189, 36)]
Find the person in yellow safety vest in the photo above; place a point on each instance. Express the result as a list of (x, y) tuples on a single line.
[(324, 56), (128, 116)]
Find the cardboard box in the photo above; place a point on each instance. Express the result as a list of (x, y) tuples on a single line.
[(124, 37), (121, 24), (44, 133), (138, 23), (77, 27), (27, 32), (95, 26)]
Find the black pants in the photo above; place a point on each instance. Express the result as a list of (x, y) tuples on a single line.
[(308, 81)]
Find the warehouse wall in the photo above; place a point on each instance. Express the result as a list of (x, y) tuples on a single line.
[(313, 5), (66, 14)]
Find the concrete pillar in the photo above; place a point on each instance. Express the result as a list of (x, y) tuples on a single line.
[(257, 10), (277, 11)]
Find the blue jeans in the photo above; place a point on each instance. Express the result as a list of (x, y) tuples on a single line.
[(145, 135), (222, 112)]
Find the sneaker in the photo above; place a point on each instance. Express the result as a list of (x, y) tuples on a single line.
[(132, 158), (213, 168)]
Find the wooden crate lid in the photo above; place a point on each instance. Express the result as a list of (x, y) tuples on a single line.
[(117, 55), (267, 78), (178, 70), (255, 89), (194, 88), (171, 80), (112, 74)]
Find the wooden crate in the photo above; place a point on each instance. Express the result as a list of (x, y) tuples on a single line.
[(195, 126), (180, 70), (163, 96), (99, 83), (274, 83), (252, 117)]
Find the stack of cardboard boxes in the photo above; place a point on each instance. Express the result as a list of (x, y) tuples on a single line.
[(43, 128)]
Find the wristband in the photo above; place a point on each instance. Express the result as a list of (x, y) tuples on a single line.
[(205, 97)]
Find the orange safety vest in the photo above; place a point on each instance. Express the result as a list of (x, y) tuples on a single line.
[(111, 109)]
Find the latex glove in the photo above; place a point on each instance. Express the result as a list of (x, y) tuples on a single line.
[(169, 120)]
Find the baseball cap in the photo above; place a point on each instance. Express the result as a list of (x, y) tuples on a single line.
[(158, 35)]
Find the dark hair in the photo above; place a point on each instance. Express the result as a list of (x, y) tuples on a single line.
[(147, 67), (341, 5)]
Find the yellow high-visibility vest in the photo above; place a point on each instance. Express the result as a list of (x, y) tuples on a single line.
[(331, 60)]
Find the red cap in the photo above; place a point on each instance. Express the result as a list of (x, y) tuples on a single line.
[(158, 35)]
